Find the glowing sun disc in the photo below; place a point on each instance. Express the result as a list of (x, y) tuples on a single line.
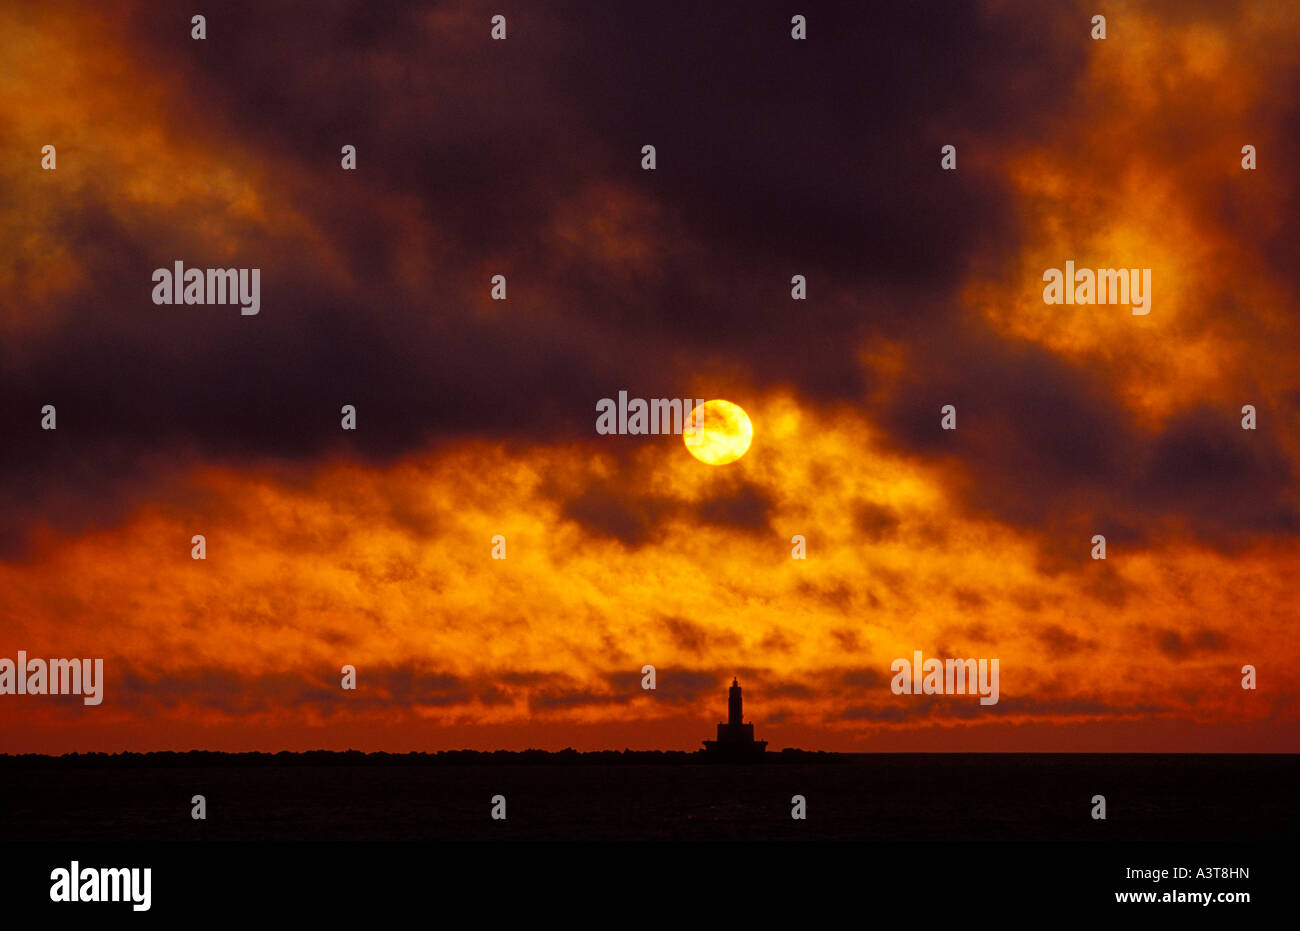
[(722, 432)]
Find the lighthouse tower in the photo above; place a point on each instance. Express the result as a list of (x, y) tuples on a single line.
[(735, 738)]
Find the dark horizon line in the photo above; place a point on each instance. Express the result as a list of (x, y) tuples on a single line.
[(530, 756)]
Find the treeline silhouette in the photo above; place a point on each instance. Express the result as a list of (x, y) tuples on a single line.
[(566, 757)]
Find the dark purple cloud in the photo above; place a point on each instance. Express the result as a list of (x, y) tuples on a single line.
[(775, 158)]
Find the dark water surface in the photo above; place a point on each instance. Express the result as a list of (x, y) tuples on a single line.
[(860, 797)]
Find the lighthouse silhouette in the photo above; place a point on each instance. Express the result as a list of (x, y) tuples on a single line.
[(735, 738)]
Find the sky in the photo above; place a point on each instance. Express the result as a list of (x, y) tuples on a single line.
[(476, 418)]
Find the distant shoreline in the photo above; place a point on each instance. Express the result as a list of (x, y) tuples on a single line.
[(380, 757), (567, 757)]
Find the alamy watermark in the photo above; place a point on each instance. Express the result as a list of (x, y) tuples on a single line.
[(181, 285), (53, 677), (946, 677), (639, 417), (1104, 286), (104, 884)]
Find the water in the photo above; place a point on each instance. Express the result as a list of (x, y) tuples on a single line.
[(854, 797)]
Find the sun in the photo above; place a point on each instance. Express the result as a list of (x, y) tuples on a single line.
[(718, 432)]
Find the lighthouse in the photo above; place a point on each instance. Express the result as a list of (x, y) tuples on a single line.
[(735, 738)]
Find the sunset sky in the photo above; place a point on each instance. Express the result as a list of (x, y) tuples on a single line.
[(476, 417)]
